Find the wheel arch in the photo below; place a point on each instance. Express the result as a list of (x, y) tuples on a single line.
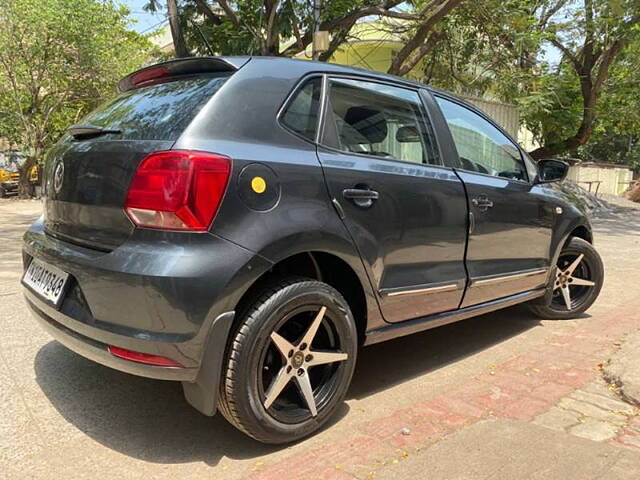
[(323, 266), (581, 231), (568, 227)]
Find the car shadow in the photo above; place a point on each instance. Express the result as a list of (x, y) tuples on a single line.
[(396, 361), (150, 419)]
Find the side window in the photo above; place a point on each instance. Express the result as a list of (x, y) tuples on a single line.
[(375, 119), (301, 114), (481, 146)]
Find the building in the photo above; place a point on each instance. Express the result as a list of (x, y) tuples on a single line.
[(601, 178)]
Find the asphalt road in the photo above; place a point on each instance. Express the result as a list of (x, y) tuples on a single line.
[(64, 414)]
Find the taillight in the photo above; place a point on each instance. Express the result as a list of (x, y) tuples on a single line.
[(177, 190)]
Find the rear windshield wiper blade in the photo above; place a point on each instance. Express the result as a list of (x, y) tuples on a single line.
[(87, 131)]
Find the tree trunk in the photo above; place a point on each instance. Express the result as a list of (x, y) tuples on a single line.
[(25, 189), (179, 44)]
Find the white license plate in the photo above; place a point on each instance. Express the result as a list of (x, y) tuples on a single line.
[(46, 280)]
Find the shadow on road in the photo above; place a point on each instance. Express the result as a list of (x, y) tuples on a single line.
[(624, 223), (387, 364), (150, 419)]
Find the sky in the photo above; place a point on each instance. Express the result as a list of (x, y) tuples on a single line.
[(146, 21)]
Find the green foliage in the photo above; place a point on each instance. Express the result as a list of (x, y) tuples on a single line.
[(481, 48), (501, 50), (58, 60), (551, 104), (616, 137), (292, 19)]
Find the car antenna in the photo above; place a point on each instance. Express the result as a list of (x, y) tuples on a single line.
[(203, 37)]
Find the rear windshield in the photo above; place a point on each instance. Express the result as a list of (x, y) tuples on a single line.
[(157, 112)]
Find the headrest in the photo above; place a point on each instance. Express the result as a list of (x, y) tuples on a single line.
[(407, 134), (368, 122)]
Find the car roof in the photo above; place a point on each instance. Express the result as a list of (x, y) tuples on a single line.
[(231, 63), (315, 66), (185, 65), (311, 66)]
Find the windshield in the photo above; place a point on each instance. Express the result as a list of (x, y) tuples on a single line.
[(157, 112)]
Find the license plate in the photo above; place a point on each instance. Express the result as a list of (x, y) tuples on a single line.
[(46, 280)]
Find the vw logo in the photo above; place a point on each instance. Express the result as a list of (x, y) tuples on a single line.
[(58, 177)]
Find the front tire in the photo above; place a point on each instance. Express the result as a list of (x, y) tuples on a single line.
[(576, 284), (290, 361)]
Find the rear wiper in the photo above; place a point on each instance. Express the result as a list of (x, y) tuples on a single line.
[(88, 131)]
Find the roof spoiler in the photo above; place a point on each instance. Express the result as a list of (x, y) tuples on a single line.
[(181, 66)]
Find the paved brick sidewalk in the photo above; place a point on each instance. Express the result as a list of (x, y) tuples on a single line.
[(557, 385)]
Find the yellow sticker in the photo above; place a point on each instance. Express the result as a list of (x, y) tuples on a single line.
[(258, 184)]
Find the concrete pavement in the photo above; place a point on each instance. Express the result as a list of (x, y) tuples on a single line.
[(622, 369), (504, 395)]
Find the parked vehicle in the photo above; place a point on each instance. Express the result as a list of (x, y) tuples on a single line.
[(244, 225), (10, 163), (9, 175)]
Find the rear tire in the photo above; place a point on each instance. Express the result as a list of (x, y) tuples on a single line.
[(273, 382), (573, 292)]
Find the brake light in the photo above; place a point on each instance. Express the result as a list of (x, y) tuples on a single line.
[(178, 190), (140, 357), (150, 76)]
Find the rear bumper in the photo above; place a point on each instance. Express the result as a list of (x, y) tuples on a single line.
[(62, 329), (172, 298)]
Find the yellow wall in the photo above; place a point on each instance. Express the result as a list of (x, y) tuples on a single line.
[(369, 55)]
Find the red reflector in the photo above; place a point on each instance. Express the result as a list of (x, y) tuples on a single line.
[(178, 190), (140, 357)]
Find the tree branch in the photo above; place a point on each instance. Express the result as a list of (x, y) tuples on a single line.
[(577, 65), (270, 33), (208, 12), (229, 13), (349, 19), (405, 60)]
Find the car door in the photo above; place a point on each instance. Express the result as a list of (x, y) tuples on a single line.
[(405, 211), (510, 220)]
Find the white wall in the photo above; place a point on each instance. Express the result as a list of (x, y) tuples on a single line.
[(613, 180)]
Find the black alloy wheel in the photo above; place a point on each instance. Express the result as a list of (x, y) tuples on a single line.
[(290, 361), (577, 282)]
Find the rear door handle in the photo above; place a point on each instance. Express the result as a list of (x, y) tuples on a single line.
[(362, 197), (482, 203)]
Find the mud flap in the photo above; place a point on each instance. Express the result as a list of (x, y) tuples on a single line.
[(203, 393)]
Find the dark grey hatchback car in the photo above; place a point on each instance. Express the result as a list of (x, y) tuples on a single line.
[(244, 225)]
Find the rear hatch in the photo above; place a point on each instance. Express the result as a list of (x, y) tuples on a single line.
[(88, 175)]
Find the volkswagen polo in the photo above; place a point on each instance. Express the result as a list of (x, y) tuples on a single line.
[(245, 225)]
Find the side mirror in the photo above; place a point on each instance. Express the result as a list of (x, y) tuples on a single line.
[(551, 170)]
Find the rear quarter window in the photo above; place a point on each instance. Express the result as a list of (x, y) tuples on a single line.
[(301, 114), (158, 112)]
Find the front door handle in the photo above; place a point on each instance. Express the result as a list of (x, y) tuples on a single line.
[(362, 197), (482, 203)]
